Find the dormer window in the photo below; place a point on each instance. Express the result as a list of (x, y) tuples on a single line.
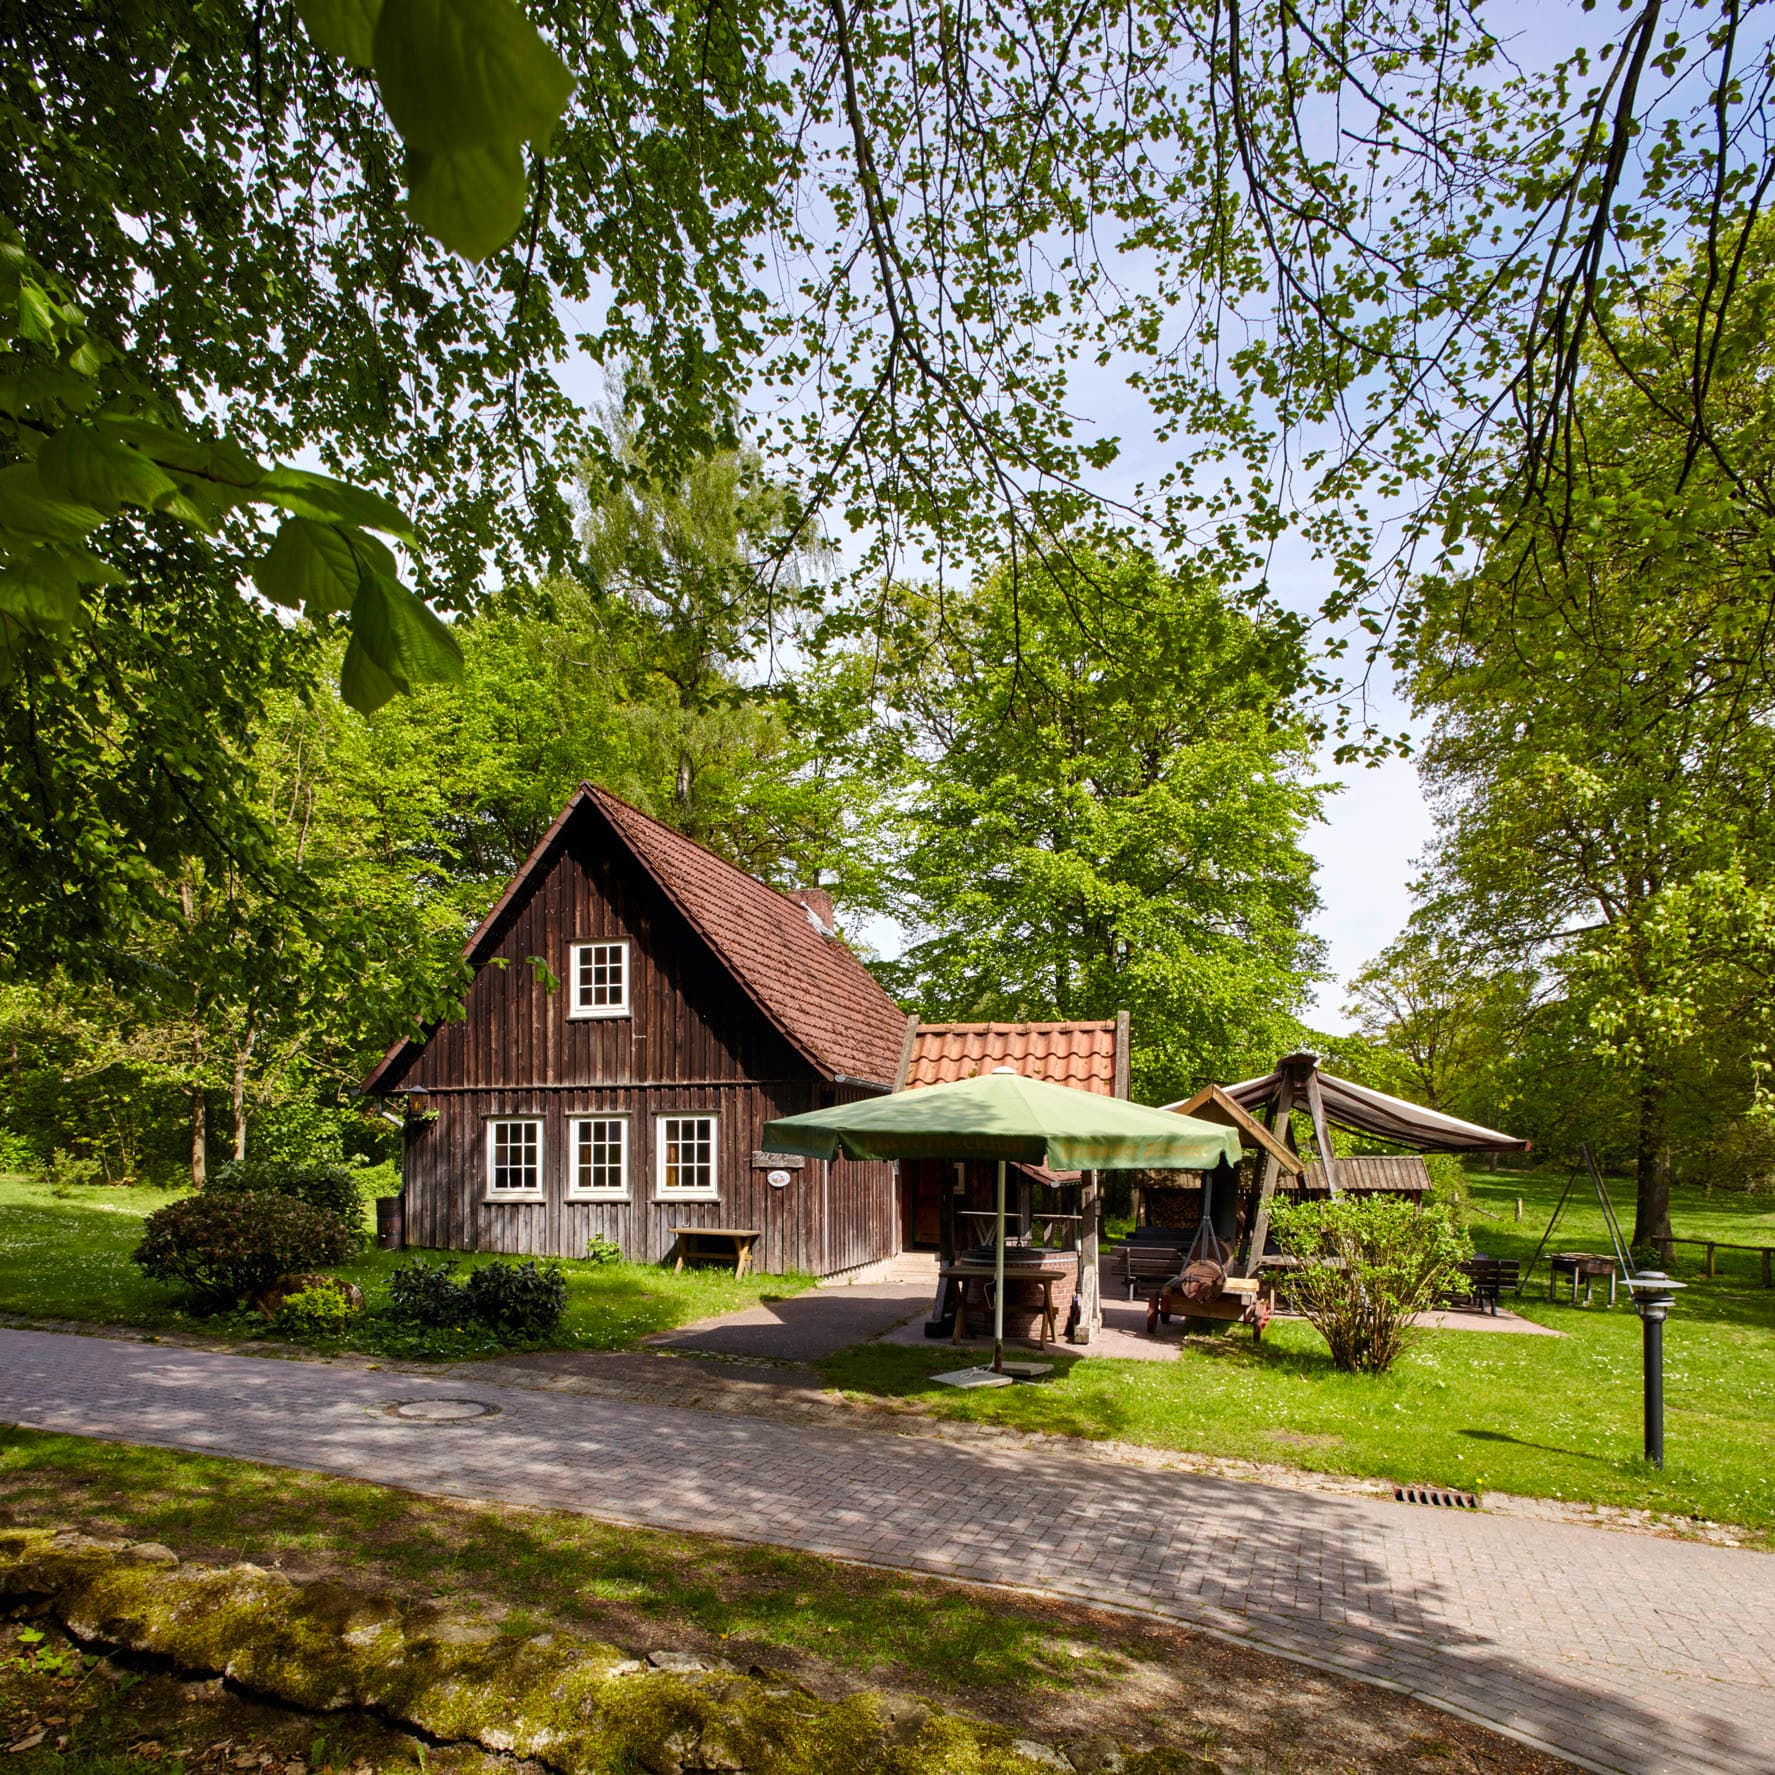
[(598, 976)]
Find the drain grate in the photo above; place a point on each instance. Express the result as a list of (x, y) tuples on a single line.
[(1437, 1495)]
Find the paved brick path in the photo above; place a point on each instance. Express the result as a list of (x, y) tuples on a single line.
[(1638, 1654)]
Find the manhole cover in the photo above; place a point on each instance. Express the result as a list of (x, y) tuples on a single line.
[(440, 1411)]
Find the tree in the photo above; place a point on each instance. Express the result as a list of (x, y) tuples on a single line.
[(1107, 818), (1601, 695), (895, 234)]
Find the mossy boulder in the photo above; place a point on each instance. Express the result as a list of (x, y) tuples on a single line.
[(566, 1701)]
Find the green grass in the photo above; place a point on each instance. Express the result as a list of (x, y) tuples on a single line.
[(67, 1256), (1544, 1417), (641, 1587)]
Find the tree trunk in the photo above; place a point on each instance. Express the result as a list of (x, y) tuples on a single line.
[(237, 1094), (199, 1134), (1651, 1212)]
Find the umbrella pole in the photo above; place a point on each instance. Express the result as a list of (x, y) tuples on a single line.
[(998, 1280)]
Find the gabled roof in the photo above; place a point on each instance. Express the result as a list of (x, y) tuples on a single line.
[(817, 993), (1212, 1104), (1087, 1056)]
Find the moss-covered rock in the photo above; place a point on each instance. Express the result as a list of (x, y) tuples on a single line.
[(568, 1702)]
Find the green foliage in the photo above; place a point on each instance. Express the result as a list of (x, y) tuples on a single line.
[(331, 1188), (314, 1314), (231, 1248), (518, 1302), (1367, 1266), (62, 1170), (522, 1301), (85, 439), (428, 1295), (17, 1153), (601, 1250), (1449, 1191), (1106, 816)]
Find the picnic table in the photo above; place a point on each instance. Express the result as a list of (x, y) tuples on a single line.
[(964, 1273), (735, 1242)]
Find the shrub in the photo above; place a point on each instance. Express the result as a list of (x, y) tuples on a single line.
[(323, 1309), (376, 1181), (518, 1300), (16, 1152), (65, 1173), (1367, 1267), (602, 1250), (428, 1294), (331, 1188), (231, 1248), (1449, 1189)]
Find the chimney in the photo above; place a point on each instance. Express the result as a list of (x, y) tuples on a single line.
[(821, 913)]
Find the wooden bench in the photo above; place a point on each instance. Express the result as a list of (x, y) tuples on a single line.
[(1148, 1264), (1488, 1277), (731, 1244)]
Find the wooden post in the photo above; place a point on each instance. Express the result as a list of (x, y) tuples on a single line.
[(1090, 1294), (1321, 1133), (1711, 1248), (1519, 1207), (1272, 1169), (1768, 1267)]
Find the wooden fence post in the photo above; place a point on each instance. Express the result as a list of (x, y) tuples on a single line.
[(1711, 1248)]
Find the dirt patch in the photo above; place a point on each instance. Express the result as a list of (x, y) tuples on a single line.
[(1303, 1438)]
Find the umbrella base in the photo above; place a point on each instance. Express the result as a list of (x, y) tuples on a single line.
[(976, 1377)]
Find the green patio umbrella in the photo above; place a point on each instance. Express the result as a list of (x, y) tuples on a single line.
[(1004, 1116)]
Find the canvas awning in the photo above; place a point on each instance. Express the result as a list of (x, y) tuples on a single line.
[(1364, 1110)]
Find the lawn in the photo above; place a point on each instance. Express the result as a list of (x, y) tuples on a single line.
[(1055, 1669), (1543, 1417), (67, 1256)]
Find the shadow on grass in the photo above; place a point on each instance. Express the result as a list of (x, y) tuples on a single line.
[(1576, 1454)]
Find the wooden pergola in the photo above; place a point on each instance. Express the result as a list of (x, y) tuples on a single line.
[(1296, 1082)]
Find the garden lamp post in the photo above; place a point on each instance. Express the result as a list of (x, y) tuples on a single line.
[(1654, 1294)]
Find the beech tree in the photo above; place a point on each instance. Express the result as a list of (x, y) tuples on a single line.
[(1106, 816)]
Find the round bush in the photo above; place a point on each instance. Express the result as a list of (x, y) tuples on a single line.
[(428, 1294), (331, 1188), (518, 1300), (231, 1248), (322, 1309)]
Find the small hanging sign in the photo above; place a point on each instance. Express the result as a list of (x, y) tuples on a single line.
[(777, 1179)]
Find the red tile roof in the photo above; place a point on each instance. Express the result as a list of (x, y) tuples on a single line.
[(1083, 1055), (805, 980)]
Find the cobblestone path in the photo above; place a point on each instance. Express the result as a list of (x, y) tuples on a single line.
[(1628, 1653)]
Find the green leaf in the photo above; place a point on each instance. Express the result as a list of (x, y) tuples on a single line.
[(342, 27), (309, 495), (401, 638), (310, 567), (217, 459), (467, 74), (41, 592), (362, 683), (36, 313), (103, 471), (33, 510), (471, 199)]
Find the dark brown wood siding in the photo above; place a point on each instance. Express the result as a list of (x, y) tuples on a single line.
[(693, 1043)]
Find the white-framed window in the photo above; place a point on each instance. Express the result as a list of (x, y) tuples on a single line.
[(684, 1165), (514, 1159), (598, 1154), (598, 977)]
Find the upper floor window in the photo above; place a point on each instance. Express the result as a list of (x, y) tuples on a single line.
[(599, 978), (514, 1159), (600, 1156), (686, 1157)]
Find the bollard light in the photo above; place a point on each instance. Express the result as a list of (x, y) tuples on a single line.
[(1654, 1294)]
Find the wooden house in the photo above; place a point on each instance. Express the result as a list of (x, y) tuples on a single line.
[(640, 1008)]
